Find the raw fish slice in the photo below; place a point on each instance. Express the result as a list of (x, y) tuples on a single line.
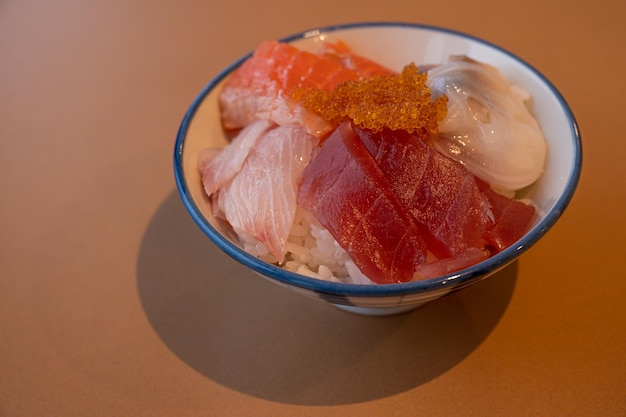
[(440, 267), (365, 67), (262, 86), (488, 127), (218, 169), (260, 200), (206, 155), (512, 218), (351, 197), (438, 192)]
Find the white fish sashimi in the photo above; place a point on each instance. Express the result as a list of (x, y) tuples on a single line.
[(260, 200), (488, 127), (218, 169)]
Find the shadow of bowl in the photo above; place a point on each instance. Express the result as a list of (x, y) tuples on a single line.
[(253, 336)]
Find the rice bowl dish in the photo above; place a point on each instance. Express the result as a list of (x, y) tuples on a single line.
[(310, 243)]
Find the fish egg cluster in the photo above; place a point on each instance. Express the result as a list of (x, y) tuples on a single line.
[(398, 101)]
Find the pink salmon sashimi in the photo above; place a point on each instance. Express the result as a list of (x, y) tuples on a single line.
[(262, 86), (349, 195), (218, 169), (260, 200), (439, 193), (341, 52)]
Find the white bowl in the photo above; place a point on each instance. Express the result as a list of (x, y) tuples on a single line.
[(394, 45)]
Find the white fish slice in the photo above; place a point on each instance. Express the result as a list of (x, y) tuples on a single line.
[(260, 200), (218, 169)]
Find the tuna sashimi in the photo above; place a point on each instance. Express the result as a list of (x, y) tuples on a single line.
[(467, 258), (512, 218), (262, 86), (260, 201), (351, 197), (438, 192), (218, 169)]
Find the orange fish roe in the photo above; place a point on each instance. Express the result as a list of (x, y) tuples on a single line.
[(398, 101)]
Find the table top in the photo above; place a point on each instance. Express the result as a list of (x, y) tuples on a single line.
[(107, 306)]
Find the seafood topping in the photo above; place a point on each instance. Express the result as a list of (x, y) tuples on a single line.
[(511, 218), (437, 191), (218, 169), (398, 169), (488, 126), (349, 194), (395, 101), (260, 200), (262, 87)]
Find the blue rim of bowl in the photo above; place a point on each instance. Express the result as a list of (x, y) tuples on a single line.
[(456, 279)]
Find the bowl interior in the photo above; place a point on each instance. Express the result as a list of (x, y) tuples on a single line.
[(396, 45)]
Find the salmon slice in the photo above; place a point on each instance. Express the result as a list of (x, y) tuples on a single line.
[(349, 195), (260, 201), (262, 86), (365, 67)]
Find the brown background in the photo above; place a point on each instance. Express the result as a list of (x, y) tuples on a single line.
[(112, 303)]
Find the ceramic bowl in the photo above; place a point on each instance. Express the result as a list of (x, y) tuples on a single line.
[(394, 45)]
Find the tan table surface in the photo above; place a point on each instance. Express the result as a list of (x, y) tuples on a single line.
[(112, 302)]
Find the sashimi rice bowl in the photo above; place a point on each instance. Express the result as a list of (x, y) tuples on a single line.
[(377, 166)]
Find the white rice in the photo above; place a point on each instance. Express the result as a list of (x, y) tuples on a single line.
[(311, 251)]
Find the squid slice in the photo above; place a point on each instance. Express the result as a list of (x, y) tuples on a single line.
[(488, 127)]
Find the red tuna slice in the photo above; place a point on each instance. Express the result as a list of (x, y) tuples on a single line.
[(440, 193), (350, 196), (512, 218), (467, 258), (262, 86)]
